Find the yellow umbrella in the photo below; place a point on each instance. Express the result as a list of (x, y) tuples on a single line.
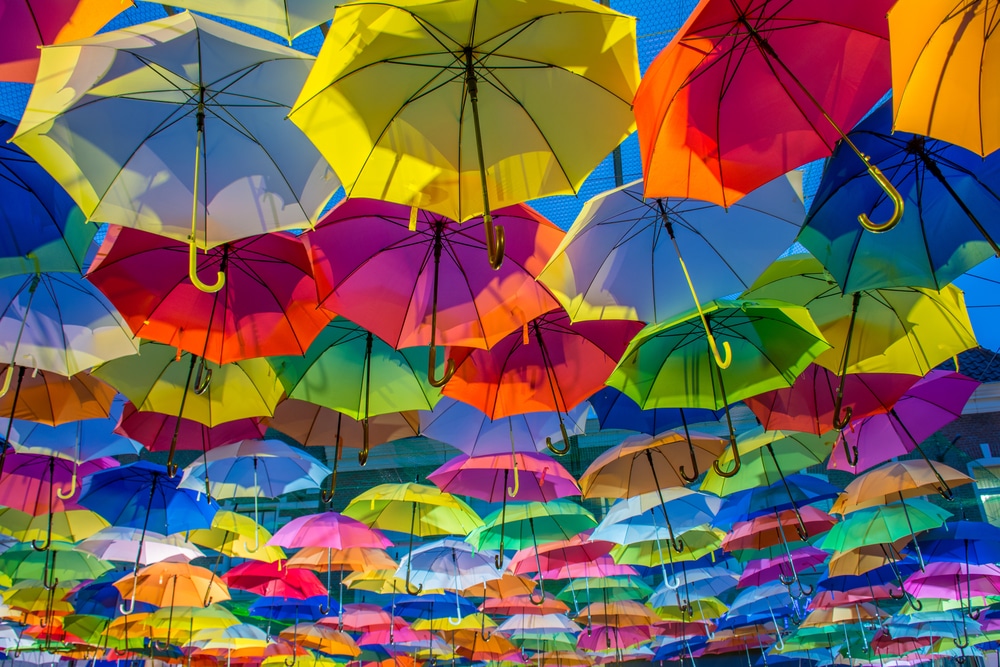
[(698, 542), (459, 109), (68, 526), (697, 610), (229, 535), (381, 581), (285, 18), (856, 613), (943, 71), (441, 624), (856, 562)]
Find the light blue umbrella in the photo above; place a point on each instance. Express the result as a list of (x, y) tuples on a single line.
[(641, 518), (254, 469), (697, 583)]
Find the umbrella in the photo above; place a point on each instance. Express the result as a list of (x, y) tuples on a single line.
[(79, 441), (766, 531), (553, 364), (442, 292), (622, 257), (119, 544), (321, 638), (29, 484), (885, 330), (704, 131), (267, 307), (28, 27), (254, 468), (972, 541), (229, 535), (615, 410), (932, 403), (940, 61), (58, 239), (760, 500), (273, 580), (372, 378), (288, 20), (155, 430), (403, 143), (883, 524), (173, 585), (184, 96), (431, 512), (771, 341), (165, 380), (448, 564), (937, 180)]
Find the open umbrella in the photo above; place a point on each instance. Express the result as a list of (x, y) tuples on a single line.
[(532, 89), (286, 19), (155, 430), (177, 127), (615, 410), (938, 181), (622, 258), (704, 129), (672, 364)]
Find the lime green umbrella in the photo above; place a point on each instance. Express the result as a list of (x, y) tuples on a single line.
[(677, 365), (350, 370), (556, 641), (884, 525), (892, 330), (87, 627), (614, 588), (58, 563)]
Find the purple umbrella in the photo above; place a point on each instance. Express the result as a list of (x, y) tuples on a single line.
[(783, 568), (933, 402)]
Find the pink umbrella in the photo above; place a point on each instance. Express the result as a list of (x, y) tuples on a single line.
[(554, 365), (783, 568), (487, 477), (329, 530), (441, 292), (554, 556), (954, 581), (156, 430), (603, 566), (934, 401), (470, 430), (364, 616), (601, 637), (809, 404)]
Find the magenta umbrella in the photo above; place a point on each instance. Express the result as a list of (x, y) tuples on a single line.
[(954, 581), (487, 477), (156, 431), (603, 566), (601, 637), (440, 291), (933, 402), (782, 568), (809, 405)]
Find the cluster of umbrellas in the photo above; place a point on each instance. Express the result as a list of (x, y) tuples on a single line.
[(229, 310)]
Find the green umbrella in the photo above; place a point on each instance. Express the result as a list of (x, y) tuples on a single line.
[(557, 641), (58, 563), (615, 588), (884, 525), (671, 365), (350, 370), (891, 330)]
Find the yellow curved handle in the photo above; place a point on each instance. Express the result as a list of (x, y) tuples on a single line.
[(449, 368), (193, 272), (723, 362), (72, 489), (495, 241), (893, 194), (7, 376), (512, 492), (565, 441)]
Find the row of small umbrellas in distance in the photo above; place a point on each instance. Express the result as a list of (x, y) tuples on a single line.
[(733, 572)]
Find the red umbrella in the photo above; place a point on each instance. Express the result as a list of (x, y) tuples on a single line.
[(30, 24), (155, 430), (554, 556), (772, 529), (273, 580), (440, 291), (553, 365), (267, 307), (809, 405), (751, 89)]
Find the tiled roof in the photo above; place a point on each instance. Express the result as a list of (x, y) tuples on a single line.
[(978, 363)]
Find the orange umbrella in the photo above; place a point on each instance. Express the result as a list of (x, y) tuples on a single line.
[(858, 561), (352, 559), (506, 587), (472, 645), (321, 638), (771, 530), (523, 604), (619, 614), (896, 481), (53, 399), (172, 585)]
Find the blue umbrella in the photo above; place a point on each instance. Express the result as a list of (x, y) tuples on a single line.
[(134, 495), (285, 609), (38, 218), (101, 598), (751, 503), (951, 208), (680, 649), (982, 298), (970, 542), (413, 607), (615, 410)]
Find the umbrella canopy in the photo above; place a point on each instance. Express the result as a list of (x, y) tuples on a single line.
[(267, 307), (535, 477), (532, 523), (932, 47), (416, 146), (155, 430), (898, 480), (938, 181), (54, 399), (416, 509), (448, 564), (272, 580), (184, 95), (615, 410), (173, 584), (329, 530), (119, 544), (442, 292), (704, 131), (285, 19), (883, 524)]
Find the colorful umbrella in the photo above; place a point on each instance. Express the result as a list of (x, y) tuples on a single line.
[(703, 128), (267, 306), (285, 19), (615, 410), (419, 146), (184, 96), (155, 430), (553, 365), (173, 584), (273, 580), (622, 257)]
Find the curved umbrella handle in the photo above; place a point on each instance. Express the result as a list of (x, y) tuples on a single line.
[(541, 597), (7, 377), (327, 496), (495, 241), (565, 441), (72, 489), (413, 591), (694, 462), (202, 378), (737, 463), (513, 491), (256, 541), (449, 368), (902, 594), (43, 545), (850, 451), (842, 421), (220, 281), (172, 468), (125, 611), (893, 194), (787, 580), (805, 590), (963, 643)]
